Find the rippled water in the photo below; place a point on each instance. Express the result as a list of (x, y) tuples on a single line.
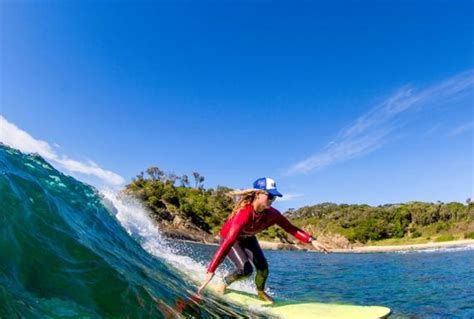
[(424, 284)]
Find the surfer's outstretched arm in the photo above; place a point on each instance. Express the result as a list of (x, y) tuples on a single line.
[(236, 228), (300, 234)]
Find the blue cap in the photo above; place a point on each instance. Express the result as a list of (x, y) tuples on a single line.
[(268, 185)]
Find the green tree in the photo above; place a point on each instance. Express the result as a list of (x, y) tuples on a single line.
[(184, 180), (198, 180), (155, 173)]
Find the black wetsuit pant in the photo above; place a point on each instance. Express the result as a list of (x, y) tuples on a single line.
[(245, 252)]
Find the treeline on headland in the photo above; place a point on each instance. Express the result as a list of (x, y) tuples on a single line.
[(363, 223), (181, 209), (196, 213)]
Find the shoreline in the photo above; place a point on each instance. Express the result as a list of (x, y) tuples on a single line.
[(373, 249), (412, 247)]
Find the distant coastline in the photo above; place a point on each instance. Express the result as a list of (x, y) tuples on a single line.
[(391, 248), (267, 245), (374, 249), (184, 212)]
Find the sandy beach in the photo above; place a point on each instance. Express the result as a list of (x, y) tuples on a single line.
[(432, 245), (373, 249)]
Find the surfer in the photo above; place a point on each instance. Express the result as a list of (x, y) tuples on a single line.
[(252, 214)]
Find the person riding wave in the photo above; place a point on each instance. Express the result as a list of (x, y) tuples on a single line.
[(252, 214)]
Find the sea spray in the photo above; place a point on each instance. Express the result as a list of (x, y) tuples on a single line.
[(135, 219), (64, 255)]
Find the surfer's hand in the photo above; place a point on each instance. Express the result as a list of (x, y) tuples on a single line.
[(206, 281), (320, 246)]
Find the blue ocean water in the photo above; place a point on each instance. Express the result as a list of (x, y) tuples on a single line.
[(70, 251), (416, 284)]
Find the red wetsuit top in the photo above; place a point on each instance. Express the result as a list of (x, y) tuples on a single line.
[(248, 223)]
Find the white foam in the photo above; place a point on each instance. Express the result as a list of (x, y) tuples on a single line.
[(135, 219), (439, 249)]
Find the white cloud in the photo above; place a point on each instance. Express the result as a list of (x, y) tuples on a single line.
[(462, 128), (289, 197), (373, 129), (15, 137)]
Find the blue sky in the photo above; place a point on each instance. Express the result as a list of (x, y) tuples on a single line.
[(348, 102)]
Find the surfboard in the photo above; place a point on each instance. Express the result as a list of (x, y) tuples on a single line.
[(313, 310)]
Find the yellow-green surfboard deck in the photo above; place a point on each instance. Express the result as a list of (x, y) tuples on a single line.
[(288, 310)]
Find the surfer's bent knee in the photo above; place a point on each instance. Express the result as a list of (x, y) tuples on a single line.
[(246, 271)]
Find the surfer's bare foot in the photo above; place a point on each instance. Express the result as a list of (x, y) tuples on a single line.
[(262, 295), (221, 288)]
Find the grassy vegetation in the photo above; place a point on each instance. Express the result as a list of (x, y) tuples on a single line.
[(469, 235), (446, 237), (399, 241)]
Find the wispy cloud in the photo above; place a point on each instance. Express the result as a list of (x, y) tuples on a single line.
[(432, 130), (290, 197), (462, 128), (373, 129), (15, 137)]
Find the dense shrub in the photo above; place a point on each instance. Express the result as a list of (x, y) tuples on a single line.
[(363, 223), (469, 235)]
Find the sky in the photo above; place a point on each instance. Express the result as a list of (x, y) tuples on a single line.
[(357, 102)]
